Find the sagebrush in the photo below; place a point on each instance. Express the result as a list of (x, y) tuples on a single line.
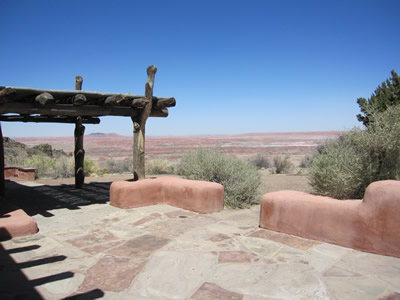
[(283, 164), (345, 166), (158, 166), (260, 161), (239, 178)]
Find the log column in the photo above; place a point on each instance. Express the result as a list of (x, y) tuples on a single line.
[(79, 151), (2, 183), (139, 127)]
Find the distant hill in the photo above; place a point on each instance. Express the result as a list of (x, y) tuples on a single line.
[(100, 134), (15, 152)]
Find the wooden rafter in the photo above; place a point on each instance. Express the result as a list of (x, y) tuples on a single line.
[(47, 119)]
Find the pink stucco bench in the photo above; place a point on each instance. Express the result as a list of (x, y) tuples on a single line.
[(198, 196), (371, 224), (14, 222)]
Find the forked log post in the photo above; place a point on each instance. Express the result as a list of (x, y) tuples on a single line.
[(139, 127), (79, 152)]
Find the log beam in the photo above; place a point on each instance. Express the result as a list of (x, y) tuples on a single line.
[(164, 102), (74, 111), (27, 95), (44, 99), (79, 99), (47, 119)]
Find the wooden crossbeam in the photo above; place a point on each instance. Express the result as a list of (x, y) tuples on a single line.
[(75, 111), (9, 95), (47, 119)]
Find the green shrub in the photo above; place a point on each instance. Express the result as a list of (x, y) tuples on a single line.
[(64, 167), (347, 165), (44, 165), (282, 165), (239, 178), (306, 162), (260, 161), (90, 167), (158, 166)]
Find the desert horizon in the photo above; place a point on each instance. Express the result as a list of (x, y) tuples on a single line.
[(104, 146)]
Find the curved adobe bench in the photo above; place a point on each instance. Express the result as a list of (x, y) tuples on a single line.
[(198, 196), (371, 224), (14, 222)]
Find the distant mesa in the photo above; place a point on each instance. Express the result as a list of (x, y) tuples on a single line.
[(100, 134)]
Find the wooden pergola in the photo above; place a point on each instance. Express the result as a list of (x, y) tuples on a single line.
[(81, 107)]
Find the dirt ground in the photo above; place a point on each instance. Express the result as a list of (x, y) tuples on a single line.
[(270, 182)]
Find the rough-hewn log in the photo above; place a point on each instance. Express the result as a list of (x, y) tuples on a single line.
[(78, 83), (47, 119), (79, 153), (79, 99), (161, 113), (140, 102), (73, 111), (114, 100), (27, 95), (140, 127), (44, 99), (163, 102), (6, 94)]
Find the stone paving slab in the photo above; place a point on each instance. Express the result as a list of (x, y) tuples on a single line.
[(90, 250)]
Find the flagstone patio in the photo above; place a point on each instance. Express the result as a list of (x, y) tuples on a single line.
[(87, 249)]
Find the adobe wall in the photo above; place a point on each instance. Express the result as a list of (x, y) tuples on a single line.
[(198, 196), (371, 224), (20, 173), (14, 222)]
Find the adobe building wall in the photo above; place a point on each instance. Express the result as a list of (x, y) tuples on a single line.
[(371, 224)]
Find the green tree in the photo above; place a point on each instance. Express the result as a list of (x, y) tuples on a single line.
[(386, 95)]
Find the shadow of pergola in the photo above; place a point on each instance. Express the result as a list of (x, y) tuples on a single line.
[(42, 199), (16, 285)]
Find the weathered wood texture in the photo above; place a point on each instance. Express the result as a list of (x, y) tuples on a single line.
[(47, 119), (78, 83), (79, 153), (75, 111), (139, 124), (28, 95), (44, 99), (60, 106)]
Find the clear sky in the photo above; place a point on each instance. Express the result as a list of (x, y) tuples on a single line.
[(233, 66)]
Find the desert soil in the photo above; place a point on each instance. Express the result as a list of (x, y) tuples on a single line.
[(269, 182)]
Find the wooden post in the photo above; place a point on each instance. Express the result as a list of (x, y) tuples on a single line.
[(79, 151), (139, 128), (2, 183)]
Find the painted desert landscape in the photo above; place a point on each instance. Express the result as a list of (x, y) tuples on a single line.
[(101, 147)]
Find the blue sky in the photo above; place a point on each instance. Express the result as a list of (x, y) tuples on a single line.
[(233, 66)]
